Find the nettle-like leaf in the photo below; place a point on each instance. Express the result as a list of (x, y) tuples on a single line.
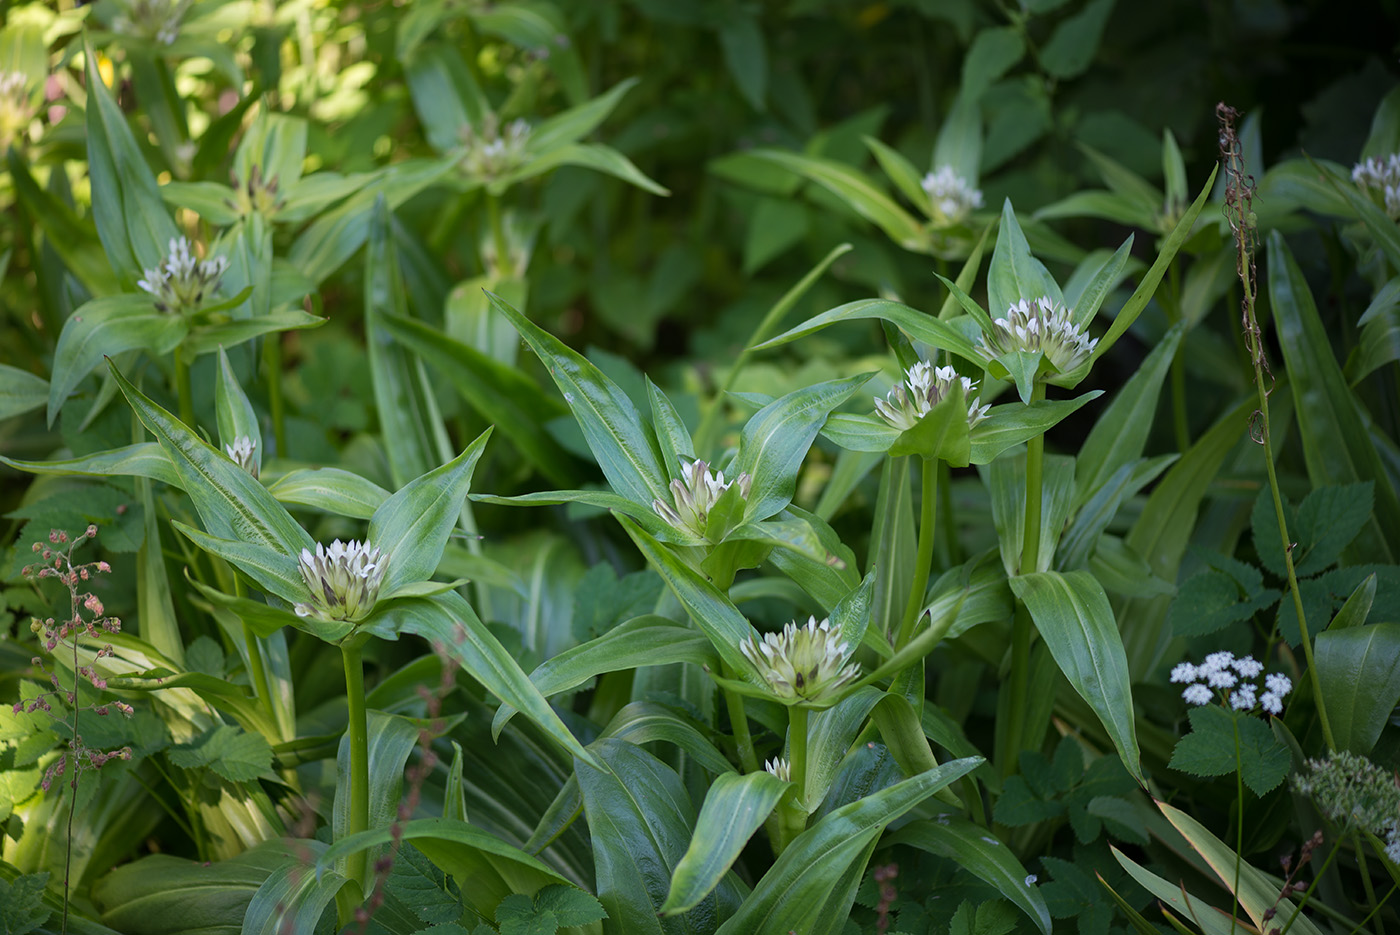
[(22, 908), (1229, 591), (1222, 741), (234, 754), (1323, 525)]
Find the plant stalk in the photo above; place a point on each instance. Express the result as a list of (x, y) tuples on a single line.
[(1022, 626), (272, 372), (739, 723), (923, 560), (794, 809), (504, 269), (182, 387), (351, 651)]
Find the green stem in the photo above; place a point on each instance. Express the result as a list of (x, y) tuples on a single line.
[(1035, 468), (257, 667), (1239, 826), (272, 372), (923, 560), (498, 236), (794, 808), (357, 865), (739, 723), (1179, 423), (182, 387), (1364, 872)]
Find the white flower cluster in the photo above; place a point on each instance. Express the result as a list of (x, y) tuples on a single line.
[(1383, 175), (923, 388), (803, 663), (951, 197), (490, 151), (780, 768), (1223, 673), (343, 579), (157, 20), (241, 453), (14, 106), (181, 283), (695, 493), (1040, 325)]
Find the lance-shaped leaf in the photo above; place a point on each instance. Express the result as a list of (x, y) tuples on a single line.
[(712, 612), (333, 490), (935, 332), (775, 441), (234, 412), (20, 391), (1072, 613), (1358, 669), (967, 844), (1014, 274), (734, 808), (230, 502), (625, 447), (274, 570), (144, 459), (593, 156), (292, 898), (811, 879), (104, 327), (391, 738), (412, 526)]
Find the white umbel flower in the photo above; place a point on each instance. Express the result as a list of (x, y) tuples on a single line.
[(803, 663), (1381, 174), (951, 197), (695, 493), (241, 452), (1040, 325), (1235, 682), (922, 388), (15, 112), (181, 283), (343, 579)]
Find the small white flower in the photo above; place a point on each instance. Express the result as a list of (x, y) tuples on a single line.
[(156, 20), (695, 493), (15, 112), (1271, 703), (1197, 694), (1216, 661), (1041, 325), (241, 453), (1184, 672), (1243, 699), (950, 196), (1392, 846), (1278, 683), (181, 283), (803, 663), (343, 580), (922, 388), (1221, 678), (780, 768), (1248, 667), (1382, 175)]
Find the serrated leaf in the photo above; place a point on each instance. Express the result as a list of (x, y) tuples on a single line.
[(22, 908), (234, 754)]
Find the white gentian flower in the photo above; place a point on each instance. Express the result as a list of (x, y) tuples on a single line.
[(255, 194), (1248, 667), (922, 388), (15, 112), (1197, 694), (343, 579), (241, 453), (695, 493), (181, 283), (488, 152), (803, 663), (951, 197), (1383, 175), (1040, 325), (1184, 672), (780, 768), (155, 20)]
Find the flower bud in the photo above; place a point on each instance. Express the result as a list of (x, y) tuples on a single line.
[(343, 580)]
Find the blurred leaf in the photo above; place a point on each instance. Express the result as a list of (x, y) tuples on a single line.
[(746, 57), (20, 391), (232, 753), (992, 54), (1358, 670)]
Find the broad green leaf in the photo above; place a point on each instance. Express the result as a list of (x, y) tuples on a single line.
[(1006, 480), (625, 447), (274, 570), (892, 547), (644, 722), (1336, 445), (959, 144), (775, 440), (1358, 606), (855, 190), (209, 338), (1014, 423), (503, 395), (234, 754), (746, 56), (104, 327), (1105, 278), (993, 53), (145, 459), (234, 412), (830, 734), (1256, 893), (1358, 669), (412, 526), (1074, 618), (1073, 44), (1223, 741), (932, 331), (942, 434), (792, 895), (577, 122), (1015, 275), (1083, 535), (640, 820), (827, 578), (230, 502), (333, 490), (20, 391), (391, 739), (735, 806), (966, 844), (593, 156), (1211, 920)]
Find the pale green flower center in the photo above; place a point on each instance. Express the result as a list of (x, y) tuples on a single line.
[(181, 283), (343, 580), (923, 388), (803, 663)]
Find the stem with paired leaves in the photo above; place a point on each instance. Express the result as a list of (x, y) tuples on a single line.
[(357, 865)]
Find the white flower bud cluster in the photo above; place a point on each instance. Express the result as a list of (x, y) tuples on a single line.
[(490, 152), (1233, 679), (780, 768), (1383, 175), (922, 388), (803, 663), (1040, 325), (343, 579), (241, 453), (951, 197), (181, 283), (695, 493)]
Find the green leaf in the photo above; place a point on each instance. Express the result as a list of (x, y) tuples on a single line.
[(625, 447), (391, 739), (209, 338), (735, 806), (746, 57), (234, 412), (1075, 41), (577, 122), (1212, 600), (274, 570), (22, 908), (1213, 748), (1104, 280), (1210, 920), (1358, 669), (1074, 618), (900, 171), (104, 327), (570, 905), (1336, 445), (230, 502), (942, 434), (330, 489), (959, 145), (146, 459), (593, 156), (811, 880), (1014, 423), (1329, 519), (1085, 535), (234, 754), (412, 526), (1015, 275), (918, 325), (775, 440), (20, 391), (992, 54), (989, 859)]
